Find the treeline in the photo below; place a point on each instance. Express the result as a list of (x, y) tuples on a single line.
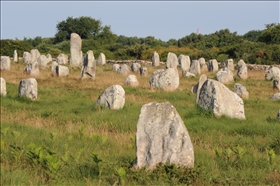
[(255, 47)]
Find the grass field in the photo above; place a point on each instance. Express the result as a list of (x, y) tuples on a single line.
[(63, 139)]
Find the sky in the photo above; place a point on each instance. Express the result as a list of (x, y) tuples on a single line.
[(161, 19)]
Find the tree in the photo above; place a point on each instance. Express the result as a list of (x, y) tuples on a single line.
[(252, 35), (271, 35)]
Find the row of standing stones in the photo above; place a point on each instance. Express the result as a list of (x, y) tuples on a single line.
[(161, 134)]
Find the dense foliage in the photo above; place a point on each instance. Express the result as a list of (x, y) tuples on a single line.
[(256, 46)]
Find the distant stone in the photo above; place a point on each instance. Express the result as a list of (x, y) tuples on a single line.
[(135, 67), (5, 63), (216, 97), (144, 71), (187, 74), (242, 71), (15, 56), (213, 65), (272, 73), (167, 80), (26, 57), (62, 59), (115, 67), (54, 64), (155, 59), (184, 62), (203, 66), (230, 64), (195, 67), (132, 81), (276, 84), (101, 59), (241, 91), (275, 97), (278, 115), (162, 137), (197, 87), (43, 61), (3, 87), (28, 88), (49, 58), (35, 54), (89, 66), (124, 69), (112, 98), (32, 69), (76, 58), (61, 71), (225, 76), (172, 60)]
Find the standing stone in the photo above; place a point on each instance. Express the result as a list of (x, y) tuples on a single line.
[(144, 71), (197, 87), (225, 76), (89, 66), (112, 98), (28, 88), (241, 91), (172, 60), (155, 59), (35, 54), (203, 66), (3, 87), (162, 137), (195, 67), (62, 59), (275, 97), (49, 58), (5, 63), (272, 73), (75, 50), (184, 62), (15, 57), (168, 79), (242, 71), (61, 71), (54, 64), (132, 81), (135, 67), (26, 57), (115, 67), (43, 61), (216, 97), (229, 64), (124, 69), (276, 84), (101, 59), (278, 115), (213, 65), (32, 69)]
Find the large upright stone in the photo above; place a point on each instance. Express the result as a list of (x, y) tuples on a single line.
[(26, 57), (32, 69), (89, 66), (49, 58), (115, 67), (242, 71), (167, 80), (112, 98), (43, 61), (155, 59), (35, 54), (216, 97), (162, 137), (5, 63), (172, 60), (230, 64), (3, 87), (101, 59), (272, 73), (15, 56), (203, 66), (225, 76), (28, 88), (76, 58), (197, 87), (195, 67), (61, 71), (62, 59), (135, 67), (184, 62), (213, 65)]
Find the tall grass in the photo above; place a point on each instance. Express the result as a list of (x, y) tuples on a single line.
[(63, 138)]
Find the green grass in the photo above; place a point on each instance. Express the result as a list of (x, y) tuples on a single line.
[(64, 139)]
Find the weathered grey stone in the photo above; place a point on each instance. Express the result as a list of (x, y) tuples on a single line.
[(167, 80), (124, 69), (89, 66), (76, 58), (162, 137), (32, 69), (3, 87), (26, 57), (184, 62), (195, 67), (276, 84), (49, 58), (187, 74), (35, 54), (132, 81), (5, 63), (135, 67), (278, 115), (241, 91), (15, 56), (43, 61), (115, 67), (172, 60), (62, 59), (101, 59), (216, 97), (230, 64), (225, 76), (28, 88), (275, 97), (242, 71), (213, 65), (144, 71), (155, 59), (112, 98), (202, 61), (61, 71), (54, 64), (198, 86), (272, 73)]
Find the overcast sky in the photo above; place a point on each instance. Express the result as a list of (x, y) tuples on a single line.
[(162, 19)]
